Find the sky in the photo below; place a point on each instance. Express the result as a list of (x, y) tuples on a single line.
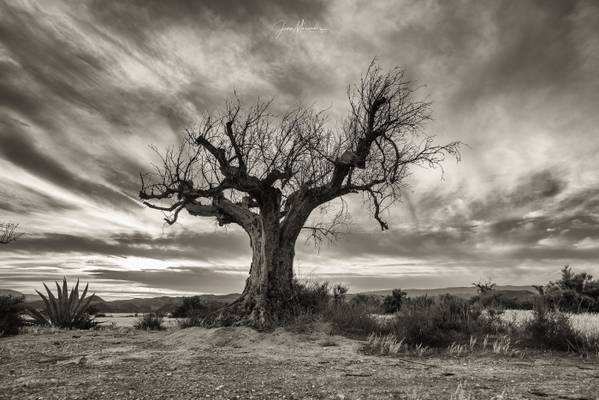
[(87, 87)]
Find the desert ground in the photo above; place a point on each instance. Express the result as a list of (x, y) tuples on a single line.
[(240, 363)]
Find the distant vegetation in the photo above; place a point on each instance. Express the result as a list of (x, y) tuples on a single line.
[(150, 322), (192, 310), (394, 301), (574, 292), (447, 321), (11, 315), (390, 324)]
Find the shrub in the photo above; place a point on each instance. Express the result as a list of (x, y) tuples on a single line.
[(491, 321), (310, 298), (339, 292), (371, 302), (65, 310), (393, 302), (191, 307), (437, 322), (11, 314), (150, 322), (93, 310), (302, 323), (351, 320), (574, 292), (506, 300), (552, 329)]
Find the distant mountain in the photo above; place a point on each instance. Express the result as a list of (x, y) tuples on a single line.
[(167, 304), (163, 304), (465, 292)]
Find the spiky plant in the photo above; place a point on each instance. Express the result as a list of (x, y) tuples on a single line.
[(65, 310)]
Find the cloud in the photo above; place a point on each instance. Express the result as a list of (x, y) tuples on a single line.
[(204, 246), (187, 279), (89, 86), (18, 147)]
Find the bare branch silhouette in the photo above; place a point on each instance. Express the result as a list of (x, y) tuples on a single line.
[(268, 173), (9, 232)]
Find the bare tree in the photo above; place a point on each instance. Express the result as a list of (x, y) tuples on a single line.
[(268, 173), (9, 233)]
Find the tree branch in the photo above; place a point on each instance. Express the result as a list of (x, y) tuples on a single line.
[(244, 164), (9, 233)]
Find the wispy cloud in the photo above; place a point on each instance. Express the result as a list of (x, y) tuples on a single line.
[(87, 87)]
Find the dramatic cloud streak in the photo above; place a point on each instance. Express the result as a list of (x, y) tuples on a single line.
[(87, 87)]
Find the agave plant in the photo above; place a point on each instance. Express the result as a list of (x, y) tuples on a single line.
[(65, 310)]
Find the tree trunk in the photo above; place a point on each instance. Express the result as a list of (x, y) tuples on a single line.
[(267, 299)]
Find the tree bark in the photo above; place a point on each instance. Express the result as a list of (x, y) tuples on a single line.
[(267, 299)]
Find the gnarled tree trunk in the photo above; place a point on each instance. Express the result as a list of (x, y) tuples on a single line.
[(267, 299)]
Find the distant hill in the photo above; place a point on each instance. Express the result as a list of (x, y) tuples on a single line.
[(465, 292), (167, 304), (163, 304)]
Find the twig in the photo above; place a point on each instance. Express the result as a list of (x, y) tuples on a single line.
[(357, 374), (418, 362)]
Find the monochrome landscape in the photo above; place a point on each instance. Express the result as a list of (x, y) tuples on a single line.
[(299, 199)]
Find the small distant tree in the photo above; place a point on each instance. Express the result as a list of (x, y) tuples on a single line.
[(484, 287), (9, 233), (393, 302), (339, 292), (271, 174), (574, 292)]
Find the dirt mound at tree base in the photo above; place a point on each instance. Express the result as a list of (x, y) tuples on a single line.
[(270, 344), (216, 337)]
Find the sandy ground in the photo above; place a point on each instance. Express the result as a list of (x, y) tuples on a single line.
[(128, 320), (239, 363)]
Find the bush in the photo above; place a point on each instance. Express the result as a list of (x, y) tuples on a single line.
[(11, 314), (194, 310), (574, 292), (550, 329), (65, 310), (310, 298), (351, 320), (393, 302), (150, 322), (371, 302), (505, 300), (339, 292), (437, 322), (93, 310), (194, 307)]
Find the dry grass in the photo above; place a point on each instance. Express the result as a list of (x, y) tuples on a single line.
[(460, 393), (392, 345)]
